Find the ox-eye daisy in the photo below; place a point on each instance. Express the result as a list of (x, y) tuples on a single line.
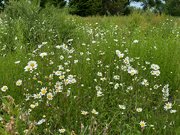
[(43, 91), (43, 54), (168, 106), (19, 82), (32, 64), (122, 107), (139, 109), (84, 112), (143, 124), (49, 96), (62, 130), (94, 111), (4, 88)]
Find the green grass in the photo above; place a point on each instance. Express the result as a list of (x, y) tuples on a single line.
[(158, 43)]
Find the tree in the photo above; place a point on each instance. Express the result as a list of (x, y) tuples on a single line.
[(56, 3), (101, 7), (172, 7)]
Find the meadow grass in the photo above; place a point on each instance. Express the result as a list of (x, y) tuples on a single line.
[(104, 75)]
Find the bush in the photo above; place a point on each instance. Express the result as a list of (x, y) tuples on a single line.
[(28, 23)]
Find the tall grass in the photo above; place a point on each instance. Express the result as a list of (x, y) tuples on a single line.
[(94, 42)]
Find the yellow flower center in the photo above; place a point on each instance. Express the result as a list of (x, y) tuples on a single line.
[(38, 95), (43, 91), (18, 83), (28, 68), (94, 111), (4, 88), (66, 81), (168, 106), (32, 64), (142, 124), (32, 106), (57, 85), (49, 96), (58, 90), (121, 106)]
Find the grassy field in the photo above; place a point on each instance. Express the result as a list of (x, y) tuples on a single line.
[(94, 75)]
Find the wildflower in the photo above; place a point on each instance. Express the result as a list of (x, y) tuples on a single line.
[(157, 72), (4, 88), (69, 40), (81, 53), (61, 57), (50, 76), (121, 55), (19, 82), (168, 106), (118, 52), (102, 79), (40, 82), (17, 62), (156, 86), (43, 91), (166, 94), (32, 106), (84, 112), (32, 64), (43, 54), (67, 81), (28, 68), (139, 109), (58, 73), (145, 82), (70, 76), (155, 66), (99, 93), (61, 77), (99, 74), (116, 77), (58, 84), (173, 111), (132, 72), (58, 90), (94, 111), (61, 67), (135, 41), (88, 59), (73, 80), (43, 43), (93, 42), (25, 131), (165, 90), (36, 104), (143, 124), (68, 92), (41, 121), (122, 107), (75, 61), (130, 88), (62, 130), (116, 86), (49, 96)]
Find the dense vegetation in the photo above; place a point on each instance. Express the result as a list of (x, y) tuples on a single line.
[(94, 75)]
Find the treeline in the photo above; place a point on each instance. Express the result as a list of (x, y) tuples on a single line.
[(107, 7)]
